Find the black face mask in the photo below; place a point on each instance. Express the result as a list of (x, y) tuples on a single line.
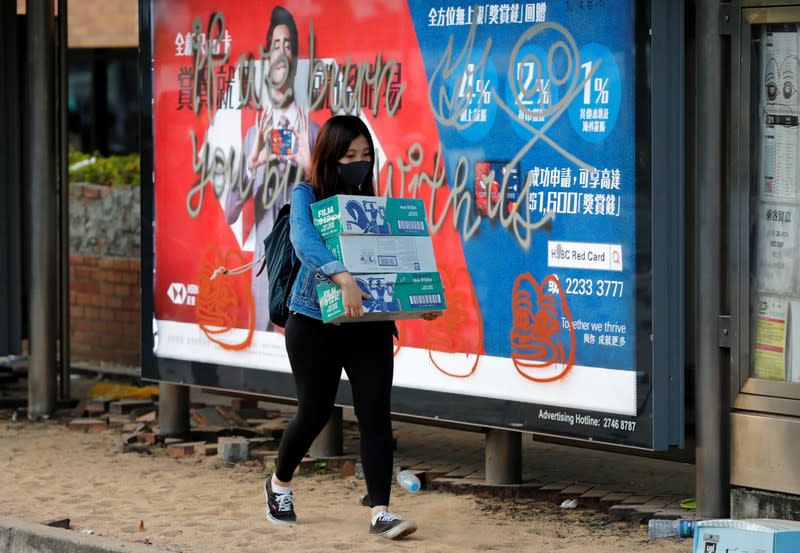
[(353, 175)]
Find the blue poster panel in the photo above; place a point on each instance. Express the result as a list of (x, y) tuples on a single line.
[(535, 111)]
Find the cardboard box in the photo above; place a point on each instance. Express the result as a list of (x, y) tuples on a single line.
[(384, 254), (763, 535), (343, 214), (393, 297)]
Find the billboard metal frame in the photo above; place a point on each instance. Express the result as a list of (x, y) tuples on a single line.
[(660, 166)]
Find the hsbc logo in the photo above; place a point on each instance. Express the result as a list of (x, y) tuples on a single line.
[(183, 294)]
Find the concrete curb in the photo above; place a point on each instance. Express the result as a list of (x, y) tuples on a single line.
[(19, 536)]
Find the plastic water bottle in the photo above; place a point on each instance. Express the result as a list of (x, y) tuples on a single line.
[(660, 528), (408, 481), (359, 470)]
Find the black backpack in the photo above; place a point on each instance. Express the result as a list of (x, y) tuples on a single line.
[(282, 266)]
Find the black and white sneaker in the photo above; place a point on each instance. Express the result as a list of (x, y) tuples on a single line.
[(280, 506), (391, 526)]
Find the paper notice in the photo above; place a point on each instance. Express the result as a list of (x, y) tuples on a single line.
[(769, 360), (781, 65), (776, 247), (779, 154)]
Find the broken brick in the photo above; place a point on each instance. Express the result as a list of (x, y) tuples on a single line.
[(150, 416), (233, 449), (183, 449), (125, 406), (86, 425), (96, 406), (147, 438), (348, 469), (132, 427)]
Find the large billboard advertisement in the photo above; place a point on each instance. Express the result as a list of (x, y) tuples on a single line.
[(513, 121)]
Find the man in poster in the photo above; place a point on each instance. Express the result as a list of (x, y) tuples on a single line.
[(276, 150)]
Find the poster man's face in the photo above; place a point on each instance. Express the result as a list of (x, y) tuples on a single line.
[(280, 57)]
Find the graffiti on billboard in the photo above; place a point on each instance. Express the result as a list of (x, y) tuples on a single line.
[(514, 123)]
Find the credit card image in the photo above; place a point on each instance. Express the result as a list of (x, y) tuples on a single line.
[(281, 142)]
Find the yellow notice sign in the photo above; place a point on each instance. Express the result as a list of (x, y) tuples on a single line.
[(769, 351)]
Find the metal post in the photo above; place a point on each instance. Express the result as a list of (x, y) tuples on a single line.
[(173, 410), (41, 209), (666, 132), (63, 200), (329, 442), (712, 470), (503, 457), (11, 302)]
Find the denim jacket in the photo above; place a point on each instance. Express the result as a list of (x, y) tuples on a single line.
[(317, 262)]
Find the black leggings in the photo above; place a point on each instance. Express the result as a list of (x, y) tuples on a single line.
[(317, 354)]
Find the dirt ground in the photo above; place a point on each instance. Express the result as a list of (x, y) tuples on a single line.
[(200, 504)]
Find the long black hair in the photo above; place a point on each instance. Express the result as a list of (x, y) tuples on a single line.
[(332, 143)]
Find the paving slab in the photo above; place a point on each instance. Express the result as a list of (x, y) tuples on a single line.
[(614, 498), (595, 493), (659, 503), (636, 500), (575, 489)]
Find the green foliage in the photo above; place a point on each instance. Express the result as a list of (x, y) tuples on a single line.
[(107, 171)]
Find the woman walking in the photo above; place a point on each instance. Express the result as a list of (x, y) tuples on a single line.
[(342, 163)]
